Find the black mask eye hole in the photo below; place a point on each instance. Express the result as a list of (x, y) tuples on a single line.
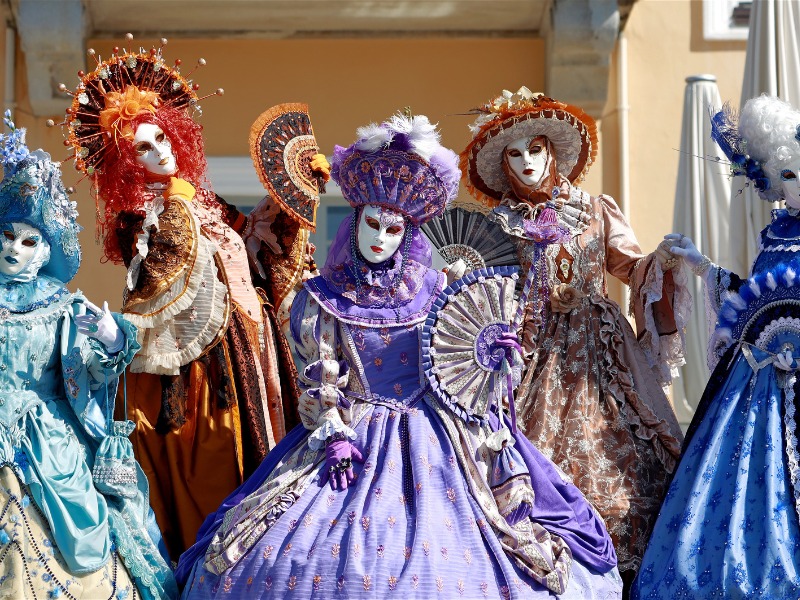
[(373, 223), (9, 235), (788, 175), (394, 229), (514, 152), (29, 242), (536, 149)]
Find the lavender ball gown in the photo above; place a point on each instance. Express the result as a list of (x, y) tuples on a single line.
[(420, 521)]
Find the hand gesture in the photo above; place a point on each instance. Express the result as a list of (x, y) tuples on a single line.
[(338, 469), (100, 325)]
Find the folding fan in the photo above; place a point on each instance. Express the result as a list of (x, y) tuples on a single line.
[(472, 237)]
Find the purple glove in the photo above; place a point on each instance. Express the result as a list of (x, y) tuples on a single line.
[(509, 340), (339, 457)]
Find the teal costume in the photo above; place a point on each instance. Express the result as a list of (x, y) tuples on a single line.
[(57, 393)]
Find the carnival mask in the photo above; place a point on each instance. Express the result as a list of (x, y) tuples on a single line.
[(790, 183), (18, 246), (380, 232), (154, 150), (527, 159)]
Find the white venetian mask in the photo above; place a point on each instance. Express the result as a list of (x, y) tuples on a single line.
[(790, 184), (18, 246), (154, 150), (379, 234), (527, 160)]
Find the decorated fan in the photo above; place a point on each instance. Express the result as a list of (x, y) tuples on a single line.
[(282, 145), (469, 348), (471, 237)]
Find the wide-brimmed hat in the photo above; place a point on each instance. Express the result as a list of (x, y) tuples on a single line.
[(572, 133)]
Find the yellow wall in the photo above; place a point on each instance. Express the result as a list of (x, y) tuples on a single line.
[(349, 82), (665, 46), (346, 83)]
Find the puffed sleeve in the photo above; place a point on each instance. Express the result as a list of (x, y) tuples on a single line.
[(660, 301), (322, 376), (91, 373)]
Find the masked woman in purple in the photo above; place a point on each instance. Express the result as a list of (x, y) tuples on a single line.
[(384, 490)]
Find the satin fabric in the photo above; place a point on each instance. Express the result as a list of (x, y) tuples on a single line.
[(728, 526)]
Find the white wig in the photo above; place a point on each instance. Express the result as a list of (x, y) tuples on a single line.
[(770, 127)]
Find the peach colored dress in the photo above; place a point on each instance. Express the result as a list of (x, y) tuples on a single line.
[(591, 397)]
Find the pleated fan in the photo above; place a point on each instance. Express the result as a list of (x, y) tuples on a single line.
[(472, 237)]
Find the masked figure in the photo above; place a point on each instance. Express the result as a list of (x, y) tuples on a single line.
[(729, 525), (74, 517), (212, 385), (384, 490), (591, 396)]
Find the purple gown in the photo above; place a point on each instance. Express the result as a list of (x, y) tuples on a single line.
[(420, 520)]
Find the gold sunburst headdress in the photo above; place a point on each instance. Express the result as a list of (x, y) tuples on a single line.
[(119, 89)]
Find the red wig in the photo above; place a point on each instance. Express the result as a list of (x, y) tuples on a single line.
[(120, 180)]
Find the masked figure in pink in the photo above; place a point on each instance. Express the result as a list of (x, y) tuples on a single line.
[(591, 397)]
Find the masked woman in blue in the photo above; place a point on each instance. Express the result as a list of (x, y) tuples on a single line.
[(729, 526), (74, 508)]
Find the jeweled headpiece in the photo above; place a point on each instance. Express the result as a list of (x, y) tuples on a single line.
[(121, 88), (399, 165), (572, 134), (760, 141), (32, 192)]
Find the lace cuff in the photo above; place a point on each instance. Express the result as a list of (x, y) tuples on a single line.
[(328, 377), (329, 424), (117, 361), (664, 351)]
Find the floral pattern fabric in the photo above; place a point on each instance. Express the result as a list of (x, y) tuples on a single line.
[(591, 398)]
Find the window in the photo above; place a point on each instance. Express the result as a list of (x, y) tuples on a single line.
[(725, 20), (235, 179)]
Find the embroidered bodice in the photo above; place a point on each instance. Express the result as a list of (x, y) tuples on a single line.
[(780, 241), (387, 361)]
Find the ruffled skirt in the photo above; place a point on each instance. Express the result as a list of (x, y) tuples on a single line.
[(408, 526)]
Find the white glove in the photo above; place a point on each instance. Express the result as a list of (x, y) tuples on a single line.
[(101, 326), (682, 246)]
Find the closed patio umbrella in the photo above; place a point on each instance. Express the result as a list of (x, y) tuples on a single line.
[(702, 199)]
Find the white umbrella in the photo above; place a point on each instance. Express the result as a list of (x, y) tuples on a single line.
[(702, 198), (772, 66)]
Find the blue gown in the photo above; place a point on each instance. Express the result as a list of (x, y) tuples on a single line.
[(57, 392), (729, 525)]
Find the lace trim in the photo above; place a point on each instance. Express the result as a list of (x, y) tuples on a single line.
[(153, 208), (203, 289), (789, 429), (664, 353), (330, 425), (152, 575)]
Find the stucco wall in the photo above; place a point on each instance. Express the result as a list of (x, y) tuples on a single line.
[(345, 82)]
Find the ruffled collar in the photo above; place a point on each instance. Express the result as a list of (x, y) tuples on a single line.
[(380, 304), (22, 297), (518, 218), (388, 285)]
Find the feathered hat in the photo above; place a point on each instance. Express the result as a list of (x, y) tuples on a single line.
[(120, 88), (32, 192), (401, 165), (572, 133)]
